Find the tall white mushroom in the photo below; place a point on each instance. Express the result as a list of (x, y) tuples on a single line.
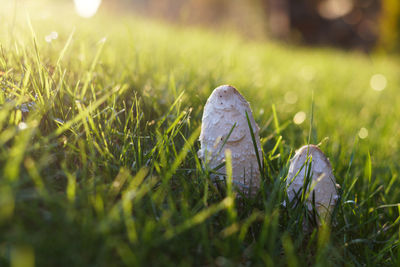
[(226, 110), (310, 159)]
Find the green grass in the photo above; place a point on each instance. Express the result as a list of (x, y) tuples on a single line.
[(103, 169)]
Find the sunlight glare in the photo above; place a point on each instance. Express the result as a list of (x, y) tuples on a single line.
[(87, 8)]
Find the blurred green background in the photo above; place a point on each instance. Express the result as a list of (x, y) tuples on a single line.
[(351, 24), (365, 25), (101, 105)]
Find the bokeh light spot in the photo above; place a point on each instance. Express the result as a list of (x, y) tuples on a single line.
[(363, 133), (307, 73), (378, 82), (22, 255), (299, 117), (291, 97), (22, 126), (333, 9), (52, 36)]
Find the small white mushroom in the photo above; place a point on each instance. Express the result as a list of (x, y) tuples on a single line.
[(225, 111), (310, 159)]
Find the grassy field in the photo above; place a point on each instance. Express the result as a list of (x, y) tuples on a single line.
[(99, 129)]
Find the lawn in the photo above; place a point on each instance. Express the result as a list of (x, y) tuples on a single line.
[(99, 127)]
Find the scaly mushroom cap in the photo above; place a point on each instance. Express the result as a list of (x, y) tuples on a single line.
[(323, 182), (225, 108)]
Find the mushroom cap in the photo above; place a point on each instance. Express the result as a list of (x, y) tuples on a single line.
[(226, 97), (225, 110), (323, 184)]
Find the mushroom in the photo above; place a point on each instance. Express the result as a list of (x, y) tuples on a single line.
[(310, 159), (225, 126)]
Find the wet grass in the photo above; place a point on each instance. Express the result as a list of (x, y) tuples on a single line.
[(98, 146)]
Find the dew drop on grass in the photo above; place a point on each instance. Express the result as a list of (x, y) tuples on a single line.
[(378, 82), (299, 117), (363, 133)]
